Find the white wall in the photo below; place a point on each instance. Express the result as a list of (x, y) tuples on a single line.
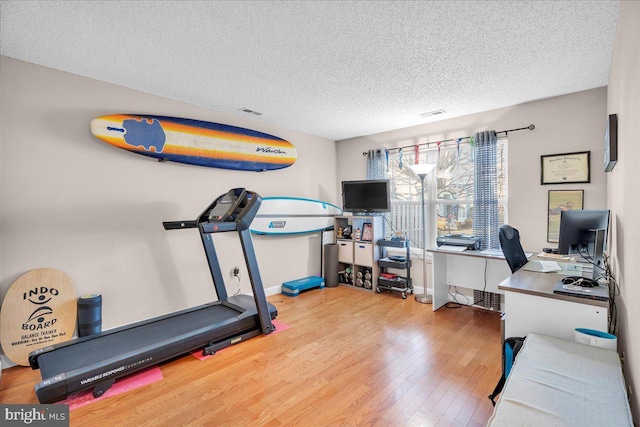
[(624, 190), (71, 202), (564, 124)]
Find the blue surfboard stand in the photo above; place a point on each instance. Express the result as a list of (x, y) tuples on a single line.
[(294, 287)]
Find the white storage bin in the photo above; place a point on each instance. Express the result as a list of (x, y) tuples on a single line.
[(363, 254), (345, 252)]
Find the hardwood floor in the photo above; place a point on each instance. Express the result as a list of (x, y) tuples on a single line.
[(350, 358)]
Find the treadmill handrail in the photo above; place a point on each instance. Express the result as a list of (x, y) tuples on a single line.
[(179, 225), (246, 210)]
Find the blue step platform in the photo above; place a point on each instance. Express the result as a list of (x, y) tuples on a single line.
[(294, 287)]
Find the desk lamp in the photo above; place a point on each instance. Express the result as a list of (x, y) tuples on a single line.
[(422, 170)]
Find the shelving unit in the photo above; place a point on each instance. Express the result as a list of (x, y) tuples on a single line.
[(357, 255), (398, 283)]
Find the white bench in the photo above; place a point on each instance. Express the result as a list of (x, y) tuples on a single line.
[(562, 383)]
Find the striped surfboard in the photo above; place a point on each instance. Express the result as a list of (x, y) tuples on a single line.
[(195, 142)]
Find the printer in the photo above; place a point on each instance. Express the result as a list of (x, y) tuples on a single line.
[(470, 242)]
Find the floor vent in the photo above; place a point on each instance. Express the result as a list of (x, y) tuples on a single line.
[(487, 300)]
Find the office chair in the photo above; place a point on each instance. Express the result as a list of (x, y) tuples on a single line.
[(511, 247)]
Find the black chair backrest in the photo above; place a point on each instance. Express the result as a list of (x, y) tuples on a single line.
[(511, 247)]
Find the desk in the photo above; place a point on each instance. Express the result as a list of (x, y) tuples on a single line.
[(531, 306), (478, 270)]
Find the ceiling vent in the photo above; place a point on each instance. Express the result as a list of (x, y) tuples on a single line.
[(249, 111), (432, 113)]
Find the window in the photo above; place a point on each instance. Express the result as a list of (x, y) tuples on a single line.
[(448, 191)]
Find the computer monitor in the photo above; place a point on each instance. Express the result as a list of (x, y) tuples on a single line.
[(584, 232)]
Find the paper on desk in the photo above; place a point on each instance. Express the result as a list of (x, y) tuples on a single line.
[(493, 252), (453, 248), (564, 268)]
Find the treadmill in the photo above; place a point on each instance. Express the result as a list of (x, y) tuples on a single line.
[(96, 361)]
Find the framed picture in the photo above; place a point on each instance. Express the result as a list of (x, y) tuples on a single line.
[(367, 232), (561, 200), (566, 168), (611, 143)]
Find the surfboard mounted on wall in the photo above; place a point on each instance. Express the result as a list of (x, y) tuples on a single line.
[(195, 142), (291, 215)]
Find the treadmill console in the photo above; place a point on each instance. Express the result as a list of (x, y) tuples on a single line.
[(224, 208), (233, 210)]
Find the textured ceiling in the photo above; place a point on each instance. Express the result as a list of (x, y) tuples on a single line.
[(336, 69)]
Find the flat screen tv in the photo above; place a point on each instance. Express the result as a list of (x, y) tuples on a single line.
[(370, 196)]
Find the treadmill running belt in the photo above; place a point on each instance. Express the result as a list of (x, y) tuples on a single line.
[(135, 339)]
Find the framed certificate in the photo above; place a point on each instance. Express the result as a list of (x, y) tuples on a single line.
[(566, 168)]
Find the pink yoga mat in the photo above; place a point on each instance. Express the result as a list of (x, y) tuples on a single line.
[(122, 385), (138, 379)]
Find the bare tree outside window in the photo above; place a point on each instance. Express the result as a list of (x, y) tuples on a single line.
[(448, 193)]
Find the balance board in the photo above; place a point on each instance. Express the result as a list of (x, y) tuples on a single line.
[(294, 287), (39, 310), (292, 215), (195, 142)]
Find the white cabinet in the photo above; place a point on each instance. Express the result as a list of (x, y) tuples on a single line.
[(525, 313), (357, 255), (532, 306)]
